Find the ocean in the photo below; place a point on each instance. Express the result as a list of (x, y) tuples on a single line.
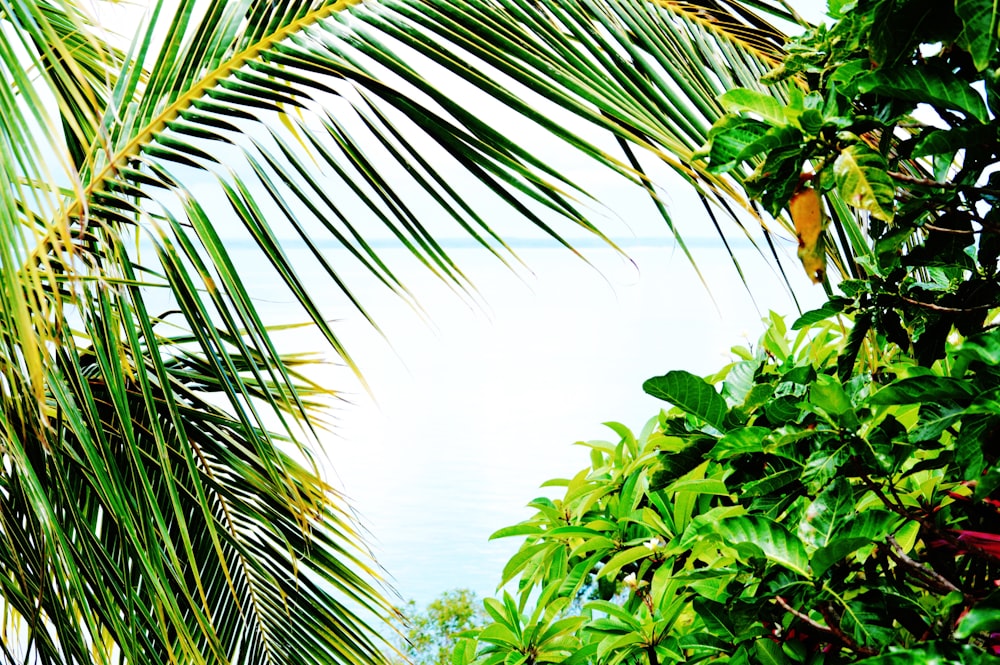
[(475, 401)]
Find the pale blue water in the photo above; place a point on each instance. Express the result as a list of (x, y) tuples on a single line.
[(480, 405)]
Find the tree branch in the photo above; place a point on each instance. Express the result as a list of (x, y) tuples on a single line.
[(830, 628), (943, 308), (930, 576)]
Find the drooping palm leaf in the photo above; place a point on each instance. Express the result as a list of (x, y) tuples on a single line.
[(141, 522), (648, 72)]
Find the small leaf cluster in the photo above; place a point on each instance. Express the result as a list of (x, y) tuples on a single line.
[(894, 122), (775, 514)]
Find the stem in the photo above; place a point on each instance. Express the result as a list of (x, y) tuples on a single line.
[(651, 652), (942, 308), (930, 577), (927, 182), (830, 628)]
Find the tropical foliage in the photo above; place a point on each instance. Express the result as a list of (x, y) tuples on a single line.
[(900, 125), (430, 633), (159, 502), (788, 517), (833, 497)]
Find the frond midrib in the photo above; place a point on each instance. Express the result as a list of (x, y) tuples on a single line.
[(203, 85)]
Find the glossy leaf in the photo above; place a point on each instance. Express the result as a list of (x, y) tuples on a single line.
[(690, 394), (923, 389), (734, 139), (922, 85), (827, 513), (979, 29), (773, 539), (984, 618)]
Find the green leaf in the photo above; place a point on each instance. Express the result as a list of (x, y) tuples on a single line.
[(863, 182), (704, 641), (829, 309), (922, 85), (689, 393), (572, 532), (743, 100), (934, 419), (942, 653), (740, 442), (739, 380), (771, 483), (773, 539), (674, 465), (919, 389), (823, 464), (835, 551), (715, 616), (946, 141), (826, 514), (827, 393), (775, 180), (983, 618), (729, 140), (979, 29), (624, 558), (984, 347), (516, 530), (769, 653), (873, 524)]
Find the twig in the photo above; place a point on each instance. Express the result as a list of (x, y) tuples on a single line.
[(829, 629), (832, 620), (930, 575), (943, 308), (884, 499), (927, 182), (941, 229)]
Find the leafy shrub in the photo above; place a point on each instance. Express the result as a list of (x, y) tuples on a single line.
[(788, 517)]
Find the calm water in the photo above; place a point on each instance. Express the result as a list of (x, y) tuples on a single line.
[(477, 405)]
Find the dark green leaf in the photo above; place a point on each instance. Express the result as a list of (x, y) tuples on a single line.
[(918, 389), (922, 85), (827, 513), (979, 29), (984, 347), (771, 482), (833, 307), (689, 393), (740, 442), (983, 618), (769, 653), (833, 552), (934, 419), (774, 540), (729, 139), (676, 464)]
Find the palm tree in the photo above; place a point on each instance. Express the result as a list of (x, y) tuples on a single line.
[(159, 502)]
